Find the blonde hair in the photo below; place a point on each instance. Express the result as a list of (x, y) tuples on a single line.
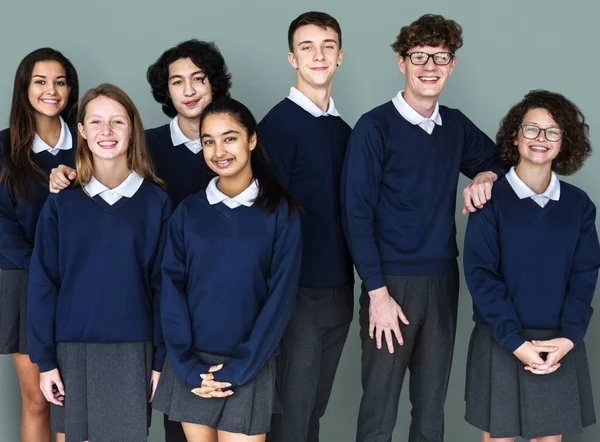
[(138, 158)]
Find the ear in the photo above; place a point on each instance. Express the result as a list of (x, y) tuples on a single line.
[(252, 141), (515, 136), (340, 57), (452, 64), (402, 64), (81, 130), (292, 60)]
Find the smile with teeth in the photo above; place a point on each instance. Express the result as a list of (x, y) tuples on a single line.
[(107, 144), (428, 78), (49, 101), (223, 163), (539, 148)]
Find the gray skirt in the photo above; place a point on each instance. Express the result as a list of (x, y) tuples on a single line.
[(248, 411), (506, 400), (107, 387), (13, 311)]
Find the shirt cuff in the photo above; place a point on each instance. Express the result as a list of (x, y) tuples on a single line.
[(514, 341), (193, 376), (159, 358), (225, 374), (48, 365), (373, 282)]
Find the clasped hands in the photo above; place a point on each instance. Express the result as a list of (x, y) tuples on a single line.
[(530, 353), (209, 388)]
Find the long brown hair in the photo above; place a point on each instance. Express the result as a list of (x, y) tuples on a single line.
[(18, 168), (138, 158)]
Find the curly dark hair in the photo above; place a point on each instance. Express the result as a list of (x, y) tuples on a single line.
[(321, 19), (429, 30), (205, 55), (575, 147)]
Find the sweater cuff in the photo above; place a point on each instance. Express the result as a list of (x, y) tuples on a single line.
[(226, 374), (159, 358), (373, 282), (193, 376), (572, 334), (47, 365), (514, 341)]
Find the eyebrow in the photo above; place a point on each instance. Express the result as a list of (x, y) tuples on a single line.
[(200, 71), (224, 133), (329, 40), (100, 116), (44, 77)]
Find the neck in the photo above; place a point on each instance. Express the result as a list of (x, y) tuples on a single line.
[(536, 177), (423, 105), (48, 129), (319, 96), (234, 185), (189, 127), (112, 172)]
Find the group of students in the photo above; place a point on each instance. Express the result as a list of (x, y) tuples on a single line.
[(206, 266)]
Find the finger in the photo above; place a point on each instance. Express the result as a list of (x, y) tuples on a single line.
[(219, 393), (202, 391), (534, 370), (152, 390), (215, 368), (378, 333), (389, 341), (481, 194), (60, 386), (62, 179), (402, 317), (464, 209), (72, 175), (488, 191), (207, 377), (371, 330), (475, 199), (468, 204), (398, 335), (49, 394), (215, 384), (545, 348), (553, 368)]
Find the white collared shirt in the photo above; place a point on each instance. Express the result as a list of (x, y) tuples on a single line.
[(65, 141), (127, 188), (178, 137), (246, 198), (305, 103), (523, 191), (415, 118)]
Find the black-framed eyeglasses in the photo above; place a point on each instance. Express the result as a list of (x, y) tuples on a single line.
[(421, 58), (531, 132)]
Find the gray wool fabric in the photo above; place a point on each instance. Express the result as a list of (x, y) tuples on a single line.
[(506, 400), (247, 411), (107, 388), (13, 311)]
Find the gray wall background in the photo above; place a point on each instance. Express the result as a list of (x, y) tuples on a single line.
[(510, 48)]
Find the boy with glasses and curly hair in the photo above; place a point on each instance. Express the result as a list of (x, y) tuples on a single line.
[(398, 201)]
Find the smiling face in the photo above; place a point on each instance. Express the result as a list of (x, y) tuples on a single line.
[(227, 147), (48, 91), (107, 129), (189, 88), (537, 151), (316, 55), (425, 82)]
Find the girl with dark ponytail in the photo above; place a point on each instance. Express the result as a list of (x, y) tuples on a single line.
[(230, 275), (40, 136)]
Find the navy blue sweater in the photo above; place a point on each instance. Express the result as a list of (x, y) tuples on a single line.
[(529, 267), (95, 272), (230, 278), (399, 191), (307, 155), (17, 218), (184, 172)]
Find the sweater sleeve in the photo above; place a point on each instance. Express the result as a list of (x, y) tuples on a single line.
[(43, 289), (13, 242), (174, 310), (361, 176), (480, 153), (577, 309), (280, 148), (485, 281), (282, 281), (160, 350)]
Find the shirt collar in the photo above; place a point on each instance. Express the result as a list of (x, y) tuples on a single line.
[(411, 115), (305, 103), (65, 141), (246, 198), (178, 137), (523, 191), (127, 188)]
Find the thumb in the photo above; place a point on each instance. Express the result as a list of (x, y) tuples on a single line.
[(464, 209), (60, 386), (72, 174), (215, 368)]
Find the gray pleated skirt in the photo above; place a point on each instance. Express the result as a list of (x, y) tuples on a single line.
[(506, 400), (248, 411), (13, 311), (107, 388)]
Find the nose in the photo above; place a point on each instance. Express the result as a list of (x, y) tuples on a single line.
[(188, 90), (106, 129), (429, 65), (542, 135), (319, 54), (220, 150), (52, 88)]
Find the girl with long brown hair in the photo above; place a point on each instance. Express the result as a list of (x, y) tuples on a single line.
[(94, 279), (39, 138)]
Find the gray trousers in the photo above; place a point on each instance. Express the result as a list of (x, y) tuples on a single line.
[(430, 303), (311, 348)]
